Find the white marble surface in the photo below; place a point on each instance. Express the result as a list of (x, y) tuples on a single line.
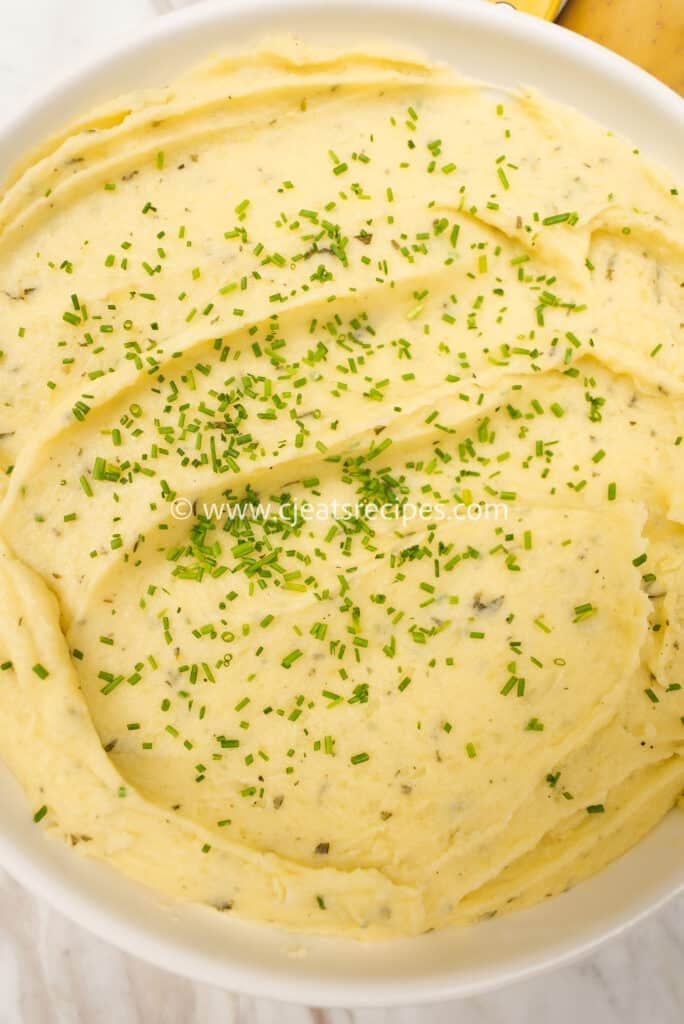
[(52, 971)]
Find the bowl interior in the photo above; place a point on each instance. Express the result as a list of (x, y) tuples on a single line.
[(499, 45)]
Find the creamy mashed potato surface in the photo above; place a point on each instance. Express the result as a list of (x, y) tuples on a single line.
[(312, 276)]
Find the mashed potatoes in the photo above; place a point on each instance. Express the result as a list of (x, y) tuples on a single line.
[(341, 543)]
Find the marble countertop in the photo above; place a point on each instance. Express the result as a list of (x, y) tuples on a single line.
[(53, 972)]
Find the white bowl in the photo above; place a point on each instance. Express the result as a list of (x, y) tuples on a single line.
[(502, 46)]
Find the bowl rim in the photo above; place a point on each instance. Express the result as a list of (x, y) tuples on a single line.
[(26, 124), (113, 927), (54, 105)]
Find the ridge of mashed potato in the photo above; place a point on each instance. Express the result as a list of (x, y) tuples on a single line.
[(342, 509)]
